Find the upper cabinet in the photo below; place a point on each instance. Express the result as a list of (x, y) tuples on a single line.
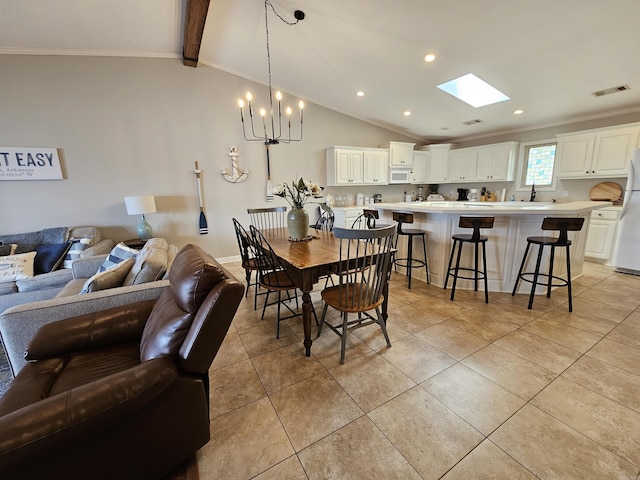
[(345, 166), (357, 166), (420, 167), (376, 166), (497, 161), (596, 153), (400, 153), (463, 164), (435, 168)]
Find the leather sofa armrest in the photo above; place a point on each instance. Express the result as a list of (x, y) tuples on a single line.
[(59, 422), (115, 325)]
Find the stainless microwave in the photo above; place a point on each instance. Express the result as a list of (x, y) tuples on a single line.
[(400, 175)]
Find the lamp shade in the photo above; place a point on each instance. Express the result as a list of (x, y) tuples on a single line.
[(140, 205)]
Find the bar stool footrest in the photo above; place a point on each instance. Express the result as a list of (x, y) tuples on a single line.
[(404, 262), (452, 271), (562, 282)]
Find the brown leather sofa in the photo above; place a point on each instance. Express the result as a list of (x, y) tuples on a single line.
[(121, 393)]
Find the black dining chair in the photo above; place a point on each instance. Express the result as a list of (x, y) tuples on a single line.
[(275, 278), (363, 272), (249, 259)]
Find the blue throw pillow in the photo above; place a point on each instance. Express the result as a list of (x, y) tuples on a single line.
[(49, 257)]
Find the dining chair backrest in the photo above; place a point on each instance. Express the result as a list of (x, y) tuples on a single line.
[(272, 271), (367, 218), (245, 244), (364, 267), (265, 218), (326, 219)]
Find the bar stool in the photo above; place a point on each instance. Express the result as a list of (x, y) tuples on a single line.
[(476, 239), (558, 224), (370, 217), (409, 262)]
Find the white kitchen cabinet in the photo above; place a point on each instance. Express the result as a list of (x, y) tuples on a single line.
[(602, 234), (598, 153), (375, 166), (463, 164), (345, 166), (496, 162), (437, 165), (420, 166), (400, 153), (343, 217)]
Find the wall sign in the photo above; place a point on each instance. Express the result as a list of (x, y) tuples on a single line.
[(29, 163)]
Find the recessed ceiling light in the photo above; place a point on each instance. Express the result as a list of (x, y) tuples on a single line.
[(360, 93), (470, 89), (518, 112), (429, 57), (407, 113)]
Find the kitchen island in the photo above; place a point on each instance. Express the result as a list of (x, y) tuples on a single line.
[(514, 222)]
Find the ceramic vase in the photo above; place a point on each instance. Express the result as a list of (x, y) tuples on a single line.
[(298, 223)]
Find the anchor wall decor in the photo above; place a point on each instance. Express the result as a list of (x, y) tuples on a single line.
[(235, 176)]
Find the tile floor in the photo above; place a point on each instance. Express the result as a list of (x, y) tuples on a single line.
[(467, 391)]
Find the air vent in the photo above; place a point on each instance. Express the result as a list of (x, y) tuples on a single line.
[(472, 122), (611, 90)]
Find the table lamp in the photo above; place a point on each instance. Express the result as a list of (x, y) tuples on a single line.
[(139, 206)]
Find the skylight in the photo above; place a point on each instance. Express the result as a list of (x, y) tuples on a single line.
[(472, 90)]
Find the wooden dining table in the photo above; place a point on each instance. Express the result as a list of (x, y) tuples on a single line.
[(307, 261)]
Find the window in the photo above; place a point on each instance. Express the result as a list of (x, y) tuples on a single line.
[(538, 162)]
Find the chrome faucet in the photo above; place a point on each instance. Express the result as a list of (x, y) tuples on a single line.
[(533, 192)]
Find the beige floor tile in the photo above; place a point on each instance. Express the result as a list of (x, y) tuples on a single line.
[(417, 359), (538, 350), (622, 356), (374, 338), (586, 304), (541, 303), (581, 321), (225, 394), (604, 421), (518, 375), (231, 351), (425, 432), (488, 462), (626, 334), (412, 319), (453, 341), (623, 298), (607, 380), (509, 313), (238, 450), (326, 348), (550, 449), (314, 408), (440, 306), (479, 401), (262, 338), (358, 451), (371, 381), (480, 325), (561, 333), (632, 320), (289, 469), (285, 366), (249, 318)]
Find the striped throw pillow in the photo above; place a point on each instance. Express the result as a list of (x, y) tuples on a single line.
[(119, 253)]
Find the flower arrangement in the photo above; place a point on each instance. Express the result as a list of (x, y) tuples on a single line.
[(298, 193)]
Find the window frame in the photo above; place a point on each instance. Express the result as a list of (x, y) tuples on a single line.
[(522, 166)]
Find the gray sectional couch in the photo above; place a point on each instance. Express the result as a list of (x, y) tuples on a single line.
[(145, 281), (48, 285)]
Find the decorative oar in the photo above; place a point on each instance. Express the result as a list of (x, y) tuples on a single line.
[(269, 187), (203, 220)]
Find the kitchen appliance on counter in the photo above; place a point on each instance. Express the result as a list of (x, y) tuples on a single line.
[(462, 194), (626, 254), (472, 196), (377, 198)]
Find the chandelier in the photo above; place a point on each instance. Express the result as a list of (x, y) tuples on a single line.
[(270, 132)]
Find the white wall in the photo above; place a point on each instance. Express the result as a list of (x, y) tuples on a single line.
[(132, 126)]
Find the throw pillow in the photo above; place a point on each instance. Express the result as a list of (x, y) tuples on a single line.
[(77, 246), (16, 267), (49, 257), (118, 254), (23, 248), (111, 278)]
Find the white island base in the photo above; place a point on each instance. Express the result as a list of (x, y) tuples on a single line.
[(514, 222)]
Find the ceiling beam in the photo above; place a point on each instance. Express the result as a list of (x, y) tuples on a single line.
[(194, 21)]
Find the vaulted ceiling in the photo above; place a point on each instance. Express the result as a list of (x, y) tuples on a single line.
[(548, 56)]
